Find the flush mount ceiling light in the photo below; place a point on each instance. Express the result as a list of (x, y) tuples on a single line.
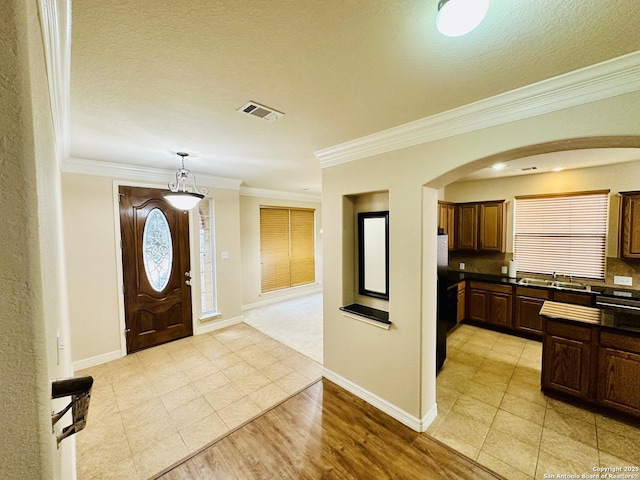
[(458, 17), (179, 196), (498, 166)]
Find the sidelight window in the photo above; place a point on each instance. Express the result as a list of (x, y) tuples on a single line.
[(564, 233), (207, 257)]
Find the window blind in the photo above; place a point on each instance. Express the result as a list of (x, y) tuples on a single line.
[(564, 233), (302, 259), (287, 247)]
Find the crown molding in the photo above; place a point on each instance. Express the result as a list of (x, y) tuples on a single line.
[(264, 193), (608, 79), (55, 22), (121, 171)]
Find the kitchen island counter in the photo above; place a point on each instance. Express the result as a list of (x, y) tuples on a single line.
[(592, 354)]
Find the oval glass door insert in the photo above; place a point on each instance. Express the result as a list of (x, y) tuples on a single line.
[(157, 249)]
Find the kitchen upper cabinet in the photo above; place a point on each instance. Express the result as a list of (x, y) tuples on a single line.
[(566, 359), (482, 226), (619, 372), (490, 303), (629, 229), (528, 302), (492, 230), (467, 226), (447, 221)]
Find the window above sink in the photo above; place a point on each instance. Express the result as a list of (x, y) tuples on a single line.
[(562, 232)]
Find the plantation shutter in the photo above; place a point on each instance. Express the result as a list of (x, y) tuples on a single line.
[(287, 247), (565, 234)]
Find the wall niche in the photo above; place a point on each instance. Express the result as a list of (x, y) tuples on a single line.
[(365, 286)]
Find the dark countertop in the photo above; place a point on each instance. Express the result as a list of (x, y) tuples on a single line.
[(611, 318), (368, 312), (454, 276)]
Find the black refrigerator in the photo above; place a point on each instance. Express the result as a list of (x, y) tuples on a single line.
[(447, 301)]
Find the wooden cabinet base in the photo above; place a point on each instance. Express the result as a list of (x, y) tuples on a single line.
[(593, 365)]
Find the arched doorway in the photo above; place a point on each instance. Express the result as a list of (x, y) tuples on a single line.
[(468, 392)]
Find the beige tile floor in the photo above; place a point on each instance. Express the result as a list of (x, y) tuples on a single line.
[(490, 408), (154, 407), (297, 323)]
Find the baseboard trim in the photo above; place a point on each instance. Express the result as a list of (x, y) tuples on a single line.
[(212, 326), (414, 423), (303, 292), (97, 360), (429, 417)]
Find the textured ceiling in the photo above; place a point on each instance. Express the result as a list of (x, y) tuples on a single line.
[(152, 77)]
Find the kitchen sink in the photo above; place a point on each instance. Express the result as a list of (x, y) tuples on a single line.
[(539, 282), (536, 282), (580, 287)]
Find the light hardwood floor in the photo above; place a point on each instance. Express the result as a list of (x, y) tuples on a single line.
[(326, 432)]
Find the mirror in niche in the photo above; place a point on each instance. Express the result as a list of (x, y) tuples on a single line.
[(373, 254)]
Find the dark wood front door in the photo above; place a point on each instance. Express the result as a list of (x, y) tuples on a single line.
[(156, 271)]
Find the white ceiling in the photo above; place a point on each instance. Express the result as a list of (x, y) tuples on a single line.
[(152, 77), (557, 161)]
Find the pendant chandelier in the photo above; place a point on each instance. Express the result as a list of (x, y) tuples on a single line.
[(183, 194), (458, 17)]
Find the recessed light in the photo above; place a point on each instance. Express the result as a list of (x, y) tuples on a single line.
[(498, 166), (557, 169)]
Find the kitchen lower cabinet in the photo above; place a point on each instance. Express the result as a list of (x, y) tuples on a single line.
[(528, 302), (461, 303), (566, 359), (490, 303), (619, 372), (585, 299), (590, 362)]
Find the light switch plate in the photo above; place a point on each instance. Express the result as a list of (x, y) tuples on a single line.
[(620, 280), (461, 266), (504, 269), (224, 254)]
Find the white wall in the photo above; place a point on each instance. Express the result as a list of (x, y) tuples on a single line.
[(250, 236), (391, 364), (91, 265), (32, 284)]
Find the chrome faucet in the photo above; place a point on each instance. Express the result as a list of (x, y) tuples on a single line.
[(554, 276)]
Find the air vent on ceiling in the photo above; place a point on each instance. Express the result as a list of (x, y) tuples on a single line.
[(260, 111), (526, 169)]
